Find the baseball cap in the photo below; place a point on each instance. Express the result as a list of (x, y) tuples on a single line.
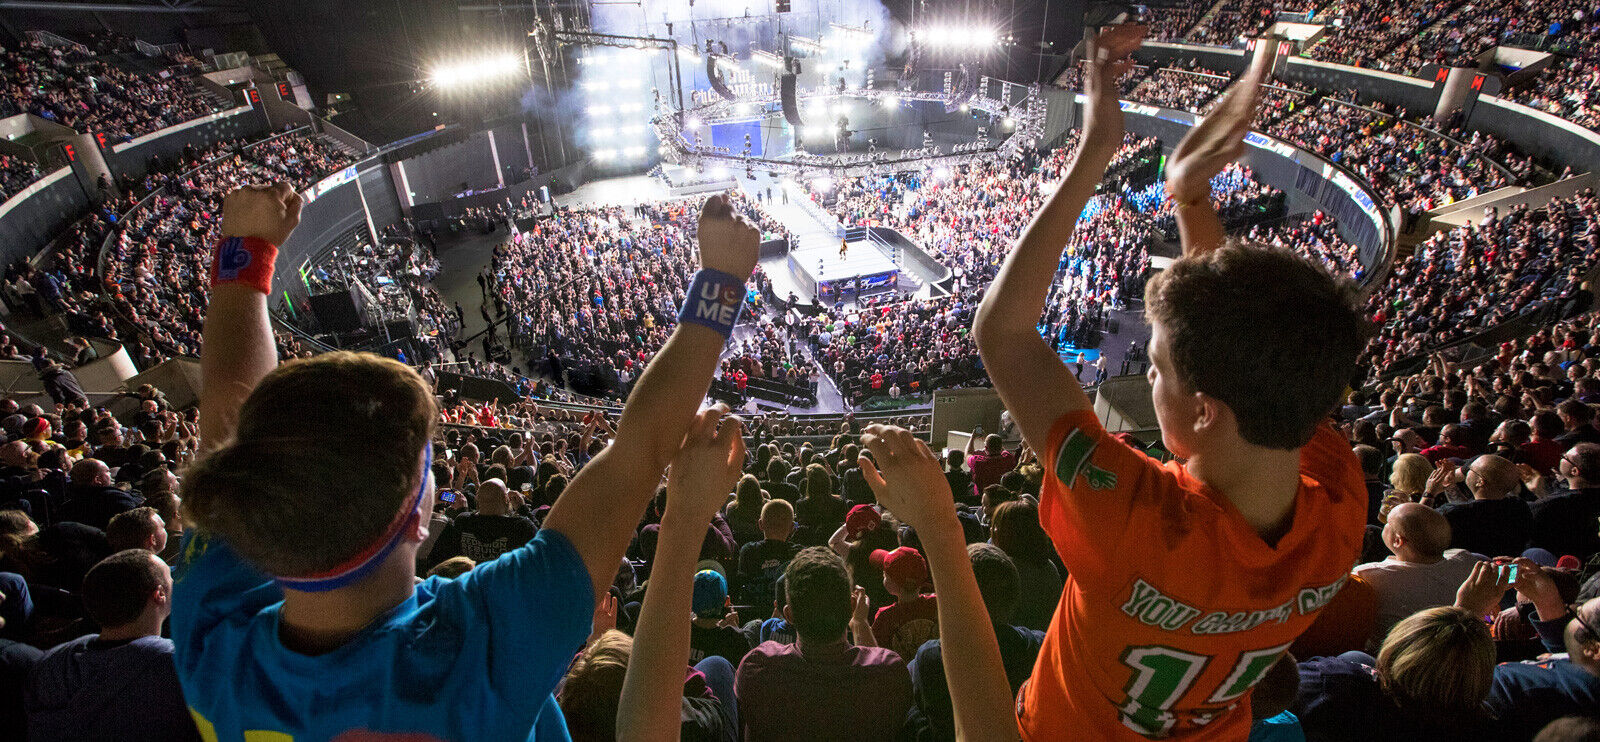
[(862, 518), (710, 593), (903, 565), (36, 427)]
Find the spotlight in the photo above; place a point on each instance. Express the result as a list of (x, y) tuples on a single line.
[(604, 133), (604, 154), (474, 71), (822, 184), (693, 122), (599, 111), (941, 173)]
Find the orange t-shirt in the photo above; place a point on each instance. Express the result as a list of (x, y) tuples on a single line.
[(1173, 607)]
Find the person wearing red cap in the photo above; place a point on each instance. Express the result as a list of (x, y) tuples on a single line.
[(913, 618), (861, 519)]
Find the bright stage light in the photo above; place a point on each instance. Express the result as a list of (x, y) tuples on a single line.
[(890, 101), (634, 152), (604, 154), (604, 133), (693, 122), (958, 37), (822, 184), (941, 173), (596, 86), (721, 172), (815, 130), (599, 111), (477, 70)]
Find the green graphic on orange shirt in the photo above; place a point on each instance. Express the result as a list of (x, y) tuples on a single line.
[(1072, 460)]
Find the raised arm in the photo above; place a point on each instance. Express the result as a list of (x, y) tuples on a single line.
[(908, 481), (598, 510), (1035, 385), (1213, 143), (701, 477), (238, 346)]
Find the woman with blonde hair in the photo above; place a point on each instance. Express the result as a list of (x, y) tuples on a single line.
[(1407, 480), (1429, 682)]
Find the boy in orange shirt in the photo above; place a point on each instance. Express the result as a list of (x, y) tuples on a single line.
[(1187, 581)]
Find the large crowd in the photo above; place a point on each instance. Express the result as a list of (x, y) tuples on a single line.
[(1183, 89), (356, 548), (1470, 278), (155, 268), (93, 96)]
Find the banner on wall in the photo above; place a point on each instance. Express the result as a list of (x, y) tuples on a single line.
[(329, 183)]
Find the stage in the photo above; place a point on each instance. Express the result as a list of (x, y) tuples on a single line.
[(863, 270)]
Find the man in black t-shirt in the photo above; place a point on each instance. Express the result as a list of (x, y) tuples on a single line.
[(486, 534), (713, 631), (1568, 522), (1496, 522), (761, 562)]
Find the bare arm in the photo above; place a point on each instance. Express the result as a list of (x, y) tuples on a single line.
[(1213, 143), (238, 346), (838, 543), (861, 619), (652, 692), (598, 511), (907, 480), (1035, 385)]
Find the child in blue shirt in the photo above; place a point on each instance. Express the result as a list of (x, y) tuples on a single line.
[(296, 614)]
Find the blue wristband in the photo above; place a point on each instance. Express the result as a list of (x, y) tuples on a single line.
[(714, 301)]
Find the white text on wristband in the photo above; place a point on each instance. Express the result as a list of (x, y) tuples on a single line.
[(714, 301)]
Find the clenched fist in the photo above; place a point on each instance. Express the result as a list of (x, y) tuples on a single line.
[(269, 212), (727, 243)]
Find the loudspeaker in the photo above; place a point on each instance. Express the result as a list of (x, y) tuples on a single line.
[(716, 79), (337, 311), (786, 93)]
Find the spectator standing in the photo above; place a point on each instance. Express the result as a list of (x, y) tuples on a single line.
[(992, 463), (1272, 499), (277, 597)]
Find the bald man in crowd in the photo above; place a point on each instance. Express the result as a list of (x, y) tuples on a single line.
[(1422, 572), (484, 535), (1497, 521), (91, 500)]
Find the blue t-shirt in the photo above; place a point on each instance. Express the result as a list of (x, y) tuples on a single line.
[(476, 657)]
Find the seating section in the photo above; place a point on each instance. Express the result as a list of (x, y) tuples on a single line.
[(94, 96)]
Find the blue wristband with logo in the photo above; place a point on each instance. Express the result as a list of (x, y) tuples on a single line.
[(714, 301)]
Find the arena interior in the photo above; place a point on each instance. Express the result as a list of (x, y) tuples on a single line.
[(1013, 369)]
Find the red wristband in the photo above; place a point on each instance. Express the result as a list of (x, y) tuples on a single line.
[(244, 260)]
